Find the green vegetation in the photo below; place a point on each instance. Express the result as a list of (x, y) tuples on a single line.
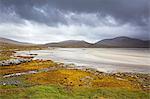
[(57, 92)]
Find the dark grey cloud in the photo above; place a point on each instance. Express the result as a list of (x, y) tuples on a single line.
[(89, 20), (132, 11)]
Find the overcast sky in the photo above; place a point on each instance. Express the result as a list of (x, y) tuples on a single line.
[(42, 21)]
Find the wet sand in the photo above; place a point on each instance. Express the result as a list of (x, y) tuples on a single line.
[(103, 59)]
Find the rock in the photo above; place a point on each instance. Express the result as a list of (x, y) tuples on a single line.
[(14, 61), (9, 82)]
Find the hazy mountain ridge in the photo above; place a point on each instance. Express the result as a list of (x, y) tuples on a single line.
[(70, 43), (118, 42), (9, 41), (122, 42)]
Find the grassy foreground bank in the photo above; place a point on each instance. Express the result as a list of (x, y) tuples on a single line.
[(58, 92), (55, 81)]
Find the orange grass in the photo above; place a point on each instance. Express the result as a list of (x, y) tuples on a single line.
[(77, 78), (33, 65)]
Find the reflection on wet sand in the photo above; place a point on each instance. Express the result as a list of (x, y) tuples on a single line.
[(103, 59)]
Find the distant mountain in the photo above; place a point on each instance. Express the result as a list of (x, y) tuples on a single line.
[(122, 42), (118, 42), (70, 44), (9, 41)]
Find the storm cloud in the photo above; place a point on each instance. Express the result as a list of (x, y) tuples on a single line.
[(41, 21)]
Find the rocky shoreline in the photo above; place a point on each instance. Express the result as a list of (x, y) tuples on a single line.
[(16, 60)]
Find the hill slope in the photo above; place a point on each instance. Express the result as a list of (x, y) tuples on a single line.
[(118, 42), (122, 42), (9, 41), (70, 44)]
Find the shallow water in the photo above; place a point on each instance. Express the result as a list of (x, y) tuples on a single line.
[(102, 59)]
